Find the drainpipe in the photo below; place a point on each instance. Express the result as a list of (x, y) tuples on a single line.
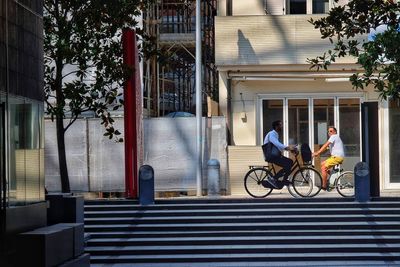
[(229, 110), (198, 100)]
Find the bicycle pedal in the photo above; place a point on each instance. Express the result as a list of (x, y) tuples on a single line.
[(329, 188)]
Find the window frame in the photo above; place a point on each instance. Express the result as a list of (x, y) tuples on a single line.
[(309, 7)]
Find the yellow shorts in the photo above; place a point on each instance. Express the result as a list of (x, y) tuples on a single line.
[(332, 161)]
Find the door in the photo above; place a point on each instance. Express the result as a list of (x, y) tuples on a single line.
[(370, 136), (391, 142), (323, 117), (3, 179)]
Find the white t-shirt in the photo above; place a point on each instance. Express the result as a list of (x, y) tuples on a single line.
[(336, 146)]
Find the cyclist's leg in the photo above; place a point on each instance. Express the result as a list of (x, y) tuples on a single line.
[(326, 166), (324, 173), (286, 165)]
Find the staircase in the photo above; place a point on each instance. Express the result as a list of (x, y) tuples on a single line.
[(245, 232)]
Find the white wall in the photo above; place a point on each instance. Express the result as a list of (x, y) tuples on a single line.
[(248, 7), (265, 40), (96, 163), (170, 147)]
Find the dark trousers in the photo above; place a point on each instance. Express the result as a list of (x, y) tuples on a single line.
[(283, 162)]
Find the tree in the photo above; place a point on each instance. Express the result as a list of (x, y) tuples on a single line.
[(84, 69), (379, 56)]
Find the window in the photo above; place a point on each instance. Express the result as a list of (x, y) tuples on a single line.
[(297, 7), (298, 121), (320, 6), (307, 6), (272, 111)]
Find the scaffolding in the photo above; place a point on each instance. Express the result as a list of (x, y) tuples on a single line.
[(169, 77)]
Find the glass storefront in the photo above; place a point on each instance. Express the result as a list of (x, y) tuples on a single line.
[(21, 103), (349, 128), (308, 121), (272, 111), (22, 161), (26, 151), (298, 121)]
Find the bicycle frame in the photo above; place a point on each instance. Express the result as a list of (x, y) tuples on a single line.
[(296, 166), (337, 170)]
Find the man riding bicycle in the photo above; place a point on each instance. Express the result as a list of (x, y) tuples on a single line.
[(280, 160), (335, 145)]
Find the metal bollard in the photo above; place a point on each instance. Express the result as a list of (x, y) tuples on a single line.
[(361, 182), (146, 185), (213, 177)]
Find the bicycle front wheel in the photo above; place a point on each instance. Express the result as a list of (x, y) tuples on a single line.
[(307, 182), (252, 182), (345, 184)]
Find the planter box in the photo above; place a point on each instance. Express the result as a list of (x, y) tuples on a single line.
[(64, 208)]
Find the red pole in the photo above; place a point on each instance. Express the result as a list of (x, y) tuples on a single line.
[(130, 128)]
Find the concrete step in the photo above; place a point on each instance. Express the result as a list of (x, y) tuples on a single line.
[(218, 200), (221, 200), (233, 226), (243, 232), (241, 240), (245, 258), (247, 234), (245, 249), (244, 219), (302, 263), (230, 212), (221, 206)]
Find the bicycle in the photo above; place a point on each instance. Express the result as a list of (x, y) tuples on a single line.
[(302, 181), (344, 181)]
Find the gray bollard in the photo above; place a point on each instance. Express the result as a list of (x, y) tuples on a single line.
[(213, 177), (361, 182), (146, 185)]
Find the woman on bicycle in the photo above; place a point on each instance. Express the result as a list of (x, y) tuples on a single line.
[(335, 145), (282, 161)]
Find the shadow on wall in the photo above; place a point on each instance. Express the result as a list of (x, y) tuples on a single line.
[(246, 52)]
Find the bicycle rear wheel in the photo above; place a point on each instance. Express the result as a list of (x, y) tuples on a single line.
[(252, 182), (307, 182), (345, 184), (291, 191)]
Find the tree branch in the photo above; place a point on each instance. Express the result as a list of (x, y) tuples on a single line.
[(72, 120), (75, 71), (49, 104)]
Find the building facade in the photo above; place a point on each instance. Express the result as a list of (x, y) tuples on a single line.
[(169, 78), (21, 119), (261, 55)]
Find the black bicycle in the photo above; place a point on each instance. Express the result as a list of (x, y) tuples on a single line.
[(306, 181)]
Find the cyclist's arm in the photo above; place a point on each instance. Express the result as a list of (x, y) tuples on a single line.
[(273, 138), (322, 149)]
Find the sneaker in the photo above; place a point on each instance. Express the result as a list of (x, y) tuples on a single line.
[(272, 181), (286, 182), (280, 184), (329, 188), (266, 184)]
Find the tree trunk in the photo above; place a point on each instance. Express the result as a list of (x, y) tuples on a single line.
[(62, 157)]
